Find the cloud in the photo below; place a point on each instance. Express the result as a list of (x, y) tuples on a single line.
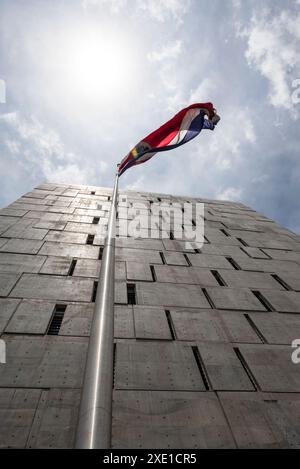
[(273, 48), (163, 10), (115, 6), (28, 145), (230, 193), (170, 51)]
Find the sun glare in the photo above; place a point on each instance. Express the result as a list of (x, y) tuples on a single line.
[(98, 65)]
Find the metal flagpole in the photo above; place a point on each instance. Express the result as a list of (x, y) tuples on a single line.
[(95, 413)]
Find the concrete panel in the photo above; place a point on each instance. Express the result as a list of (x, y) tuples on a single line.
[(22, 246), (7, 282), (69, 250), (120, 292), (209, 261), (123, 324), (260, 420), (167, 294), (138, 255), (151, 323), (31, 317), (50, 225), (77, 320), (66, 237), (255, 253), (87, 268), (55, 420), (20, 263), (7, 308), (88, 228), (181, 274), (12, 213), (277, 328), (272, 367), (291, 278), (254, 280), (175, 258), (56, 266), (216, 236), (49, 287), (238, 328), (138, 271), (223, 367), (6, 222), (152, 244), (267, 265), (161, 366), (198, 325), (145, 419), (48, 361), (17, 410), (283, 301), (120, 271), (233, 298)]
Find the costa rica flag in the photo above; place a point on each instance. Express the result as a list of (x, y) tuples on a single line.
[(182, 128)]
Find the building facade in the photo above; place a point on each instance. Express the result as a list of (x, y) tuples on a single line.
[(204, 337)]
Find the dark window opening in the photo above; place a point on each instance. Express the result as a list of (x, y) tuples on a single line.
[(93, 193), (94, 292), (72, 267), (170, 324), (131, 294), (100, 253), (224, 232), (281, 282), (56, 320), (210, 301), (90, 239), (201, 367), (171, 235), (242, 242), (96, 220), (246, 368), (255, 328), (233, 263), (162, 257), (187, 260), (153, 273), (263, 300), (219, 278)]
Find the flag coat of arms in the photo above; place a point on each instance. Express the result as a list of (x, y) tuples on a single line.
[(182, 128)]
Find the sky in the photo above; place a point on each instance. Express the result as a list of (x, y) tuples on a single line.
[(83, 81)]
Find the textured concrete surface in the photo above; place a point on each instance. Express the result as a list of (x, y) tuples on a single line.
[(202, 342)]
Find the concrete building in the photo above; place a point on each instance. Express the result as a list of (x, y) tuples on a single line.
[(203, 355)]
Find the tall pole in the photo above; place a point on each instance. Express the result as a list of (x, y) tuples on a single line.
[(95, 413)]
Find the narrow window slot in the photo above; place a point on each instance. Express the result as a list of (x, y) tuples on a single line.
[(242, 242), (263, 300), (90, 239), (56, 320), (233, 263), (170, 324), (93, 193), (210, 301), (72, 267), (96, 220), (108, 198), (162, 257), (153, 273), (171, 235), (219, 278), (197, 251), (131, 294), (159, 199), (100, 253), (224, 232), (182, 209), (281, 282), (94, 292), (243, 250), (193, 222), (187, 260), (246, 368), (207, 240), (255, 328), (201, 368)]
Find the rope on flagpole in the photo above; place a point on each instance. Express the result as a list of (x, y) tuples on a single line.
[(95, 413)]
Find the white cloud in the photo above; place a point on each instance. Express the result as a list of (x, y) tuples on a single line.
[(170, 51), (273, 48), (38, 150), (115, 6), (230, 193), (162, 10)]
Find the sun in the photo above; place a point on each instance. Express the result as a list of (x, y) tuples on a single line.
[(98, 65)]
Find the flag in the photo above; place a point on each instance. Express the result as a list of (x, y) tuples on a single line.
[(182, 128)]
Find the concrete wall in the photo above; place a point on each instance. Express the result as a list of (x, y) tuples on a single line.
[(203, 357)]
